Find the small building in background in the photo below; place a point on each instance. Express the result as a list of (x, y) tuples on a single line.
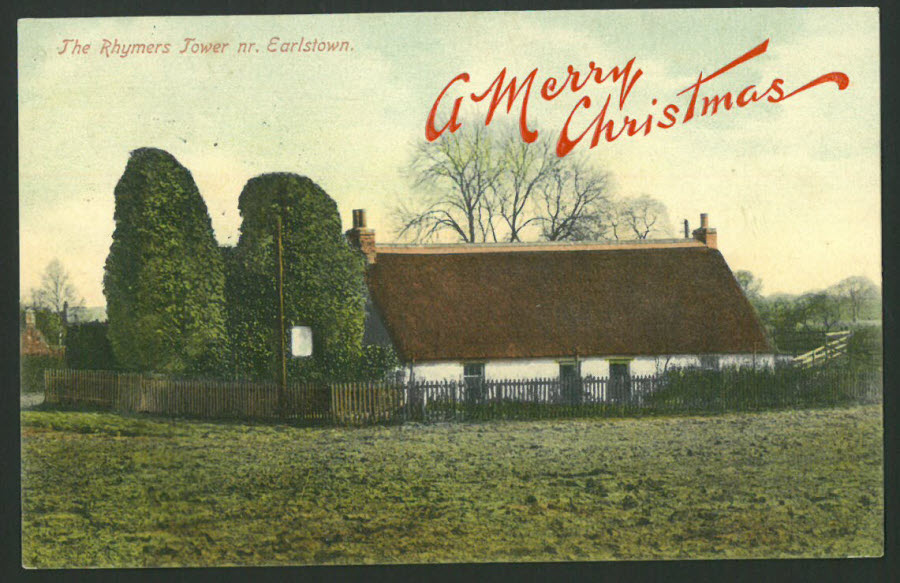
[(33, 342)]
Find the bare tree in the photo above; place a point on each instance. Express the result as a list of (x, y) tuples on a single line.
[(612, 219), (56, 291), (645, 216), (855, 292), (527, 169), (641, 217), (56, 294), (456, 178), (483, 186), (572, 200)]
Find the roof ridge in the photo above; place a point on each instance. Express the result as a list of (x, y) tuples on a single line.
[(438, 248)]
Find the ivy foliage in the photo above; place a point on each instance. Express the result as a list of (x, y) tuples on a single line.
[(88, 347), (164, 279), (324, 282)]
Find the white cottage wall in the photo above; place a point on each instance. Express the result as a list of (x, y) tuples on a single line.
[(521, 369)]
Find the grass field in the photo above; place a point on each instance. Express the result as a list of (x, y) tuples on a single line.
[(108, 490)]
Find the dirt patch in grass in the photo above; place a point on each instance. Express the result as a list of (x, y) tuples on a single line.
[(108, 490)]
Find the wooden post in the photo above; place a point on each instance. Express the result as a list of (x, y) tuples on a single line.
[(283, 376)]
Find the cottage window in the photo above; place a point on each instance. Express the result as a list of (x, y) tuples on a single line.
[(568, 371), (570, 382), (709, 361), (619, 381), (473, 372), (473, 377)]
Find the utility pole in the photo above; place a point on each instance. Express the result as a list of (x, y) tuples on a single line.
[(282, 388), (63, 323)]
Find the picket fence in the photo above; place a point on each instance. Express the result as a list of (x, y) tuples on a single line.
[(363, 403)]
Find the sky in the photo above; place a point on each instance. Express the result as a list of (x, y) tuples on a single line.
[(792, 187)]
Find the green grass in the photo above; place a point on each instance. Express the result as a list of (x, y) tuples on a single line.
[(109, 490)]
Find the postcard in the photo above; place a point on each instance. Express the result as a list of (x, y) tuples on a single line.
[(450, 287)]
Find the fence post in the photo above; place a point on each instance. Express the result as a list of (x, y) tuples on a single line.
[(47, 384)]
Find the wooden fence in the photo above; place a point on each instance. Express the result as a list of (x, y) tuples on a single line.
[(379, 402), (527, 399), (138, 393), (835, 347)]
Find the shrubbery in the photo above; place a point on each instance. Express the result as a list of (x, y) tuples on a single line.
[(738, 389), (33, 368), (865, 349), (89, 348), (180, 305), (376, 363), (324, 285), (164, 280)]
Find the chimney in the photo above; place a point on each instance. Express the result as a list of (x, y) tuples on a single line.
[(359, 219), (704, 234), (687, 230), (361, 237)]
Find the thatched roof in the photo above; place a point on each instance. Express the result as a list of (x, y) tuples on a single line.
[(556, 301)]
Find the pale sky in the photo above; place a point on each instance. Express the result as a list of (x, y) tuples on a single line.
[(793, 187)]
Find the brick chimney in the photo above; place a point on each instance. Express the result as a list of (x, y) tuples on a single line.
[(704, 234), (361, 237)]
